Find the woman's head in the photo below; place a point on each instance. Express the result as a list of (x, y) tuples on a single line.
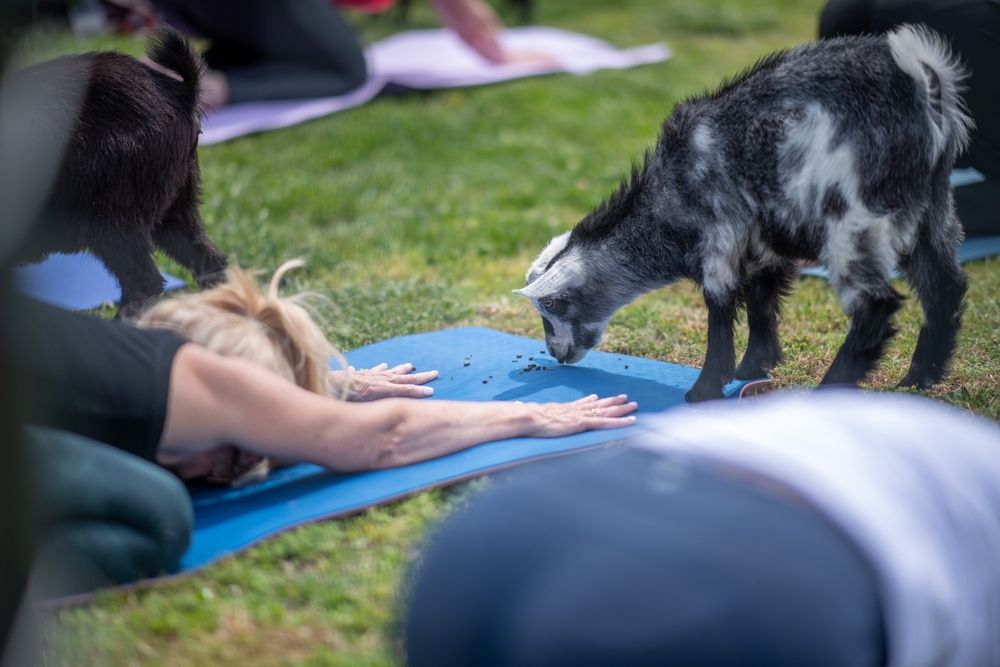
[(237, 319)]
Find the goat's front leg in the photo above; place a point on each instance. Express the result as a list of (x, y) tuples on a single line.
[(720, 357), (129, 259), (763, 299)]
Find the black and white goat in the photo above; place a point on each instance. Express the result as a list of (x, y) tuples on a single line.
[(838, 151), (129, 178)]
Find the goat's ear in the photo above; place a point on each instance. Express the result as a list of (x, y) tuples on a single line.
[(547, 284)]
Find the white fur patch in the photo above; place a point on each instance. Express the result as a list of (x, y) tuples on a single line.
[(721, 251), (567, 271), (554, 247), (841, 250), (702, 138), (703, 143), (822, 168)]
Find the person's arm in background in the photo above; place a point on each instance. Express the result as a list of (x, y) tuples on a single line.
[(476, 23), (213, 401)]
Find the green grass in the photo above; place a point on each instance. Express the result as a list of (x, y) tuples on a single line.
[(423, 212)]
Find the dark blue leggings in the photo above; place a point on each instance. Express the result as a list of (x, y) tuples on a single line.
[(632, 559), (105, 516), (275, 49)]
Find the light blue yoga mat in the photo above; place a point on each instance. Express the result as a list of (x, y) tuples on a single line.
[(227, 520), (972, 249), (75, 282)]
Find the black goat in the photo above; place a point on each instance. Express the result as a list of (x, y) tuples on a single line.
[(838, 151), (129, 179)]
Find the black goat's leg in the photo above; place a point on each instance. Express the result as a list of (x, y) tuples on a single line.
[(871, 328), (130, 260), (181, 235), (720, 357), (933, 271), (861, 261), (763, 301)]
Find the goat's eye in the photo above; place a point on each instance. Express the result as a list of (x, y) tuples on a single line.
[(547, 302)]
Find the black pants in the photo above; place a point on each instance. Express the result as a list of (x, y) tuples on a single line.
[(973, 28), (275, 49), (636, 560)]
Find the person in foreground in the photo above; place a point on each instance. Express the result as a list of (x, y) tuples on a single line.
[(834, 528), (219, 381)]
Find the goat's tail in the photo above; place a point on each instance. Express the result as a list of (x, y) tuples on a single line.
[(926, 56), (169, 49)]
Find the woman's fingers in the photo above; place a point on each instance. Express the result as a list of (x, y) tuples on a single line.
[(600, 423), (400, 369), (594, 401), (612, 400), (619, 410), (414, 378)]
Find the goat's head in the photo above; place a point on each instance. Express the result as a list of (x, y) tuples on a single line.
[(569, 287)]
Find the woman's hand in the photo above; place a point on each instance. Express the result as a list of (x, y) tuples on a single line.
[(381, 381), (476, 24), (589, 413)]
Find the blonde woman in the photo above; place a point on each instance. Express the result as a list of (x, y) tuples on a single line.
[(234, 386), (211, 385)]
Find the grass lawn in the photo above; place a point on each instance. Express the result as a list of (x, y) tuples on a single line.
[(423, 212)]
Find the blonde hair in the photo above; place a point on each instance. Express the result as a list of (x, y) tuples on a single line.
[(237, 319)]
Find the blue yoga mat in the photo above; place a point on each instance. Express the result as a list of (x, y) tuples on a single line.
[(75, 282), (227, 520)]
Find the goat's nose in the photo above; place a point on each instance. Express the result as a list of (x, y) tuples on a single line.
[(560, 352)]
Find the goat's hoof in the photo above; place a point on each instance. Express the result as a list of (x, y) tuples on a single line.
[(699, 394), (757, 367), (912, 381), (132, 309), (751, 372)]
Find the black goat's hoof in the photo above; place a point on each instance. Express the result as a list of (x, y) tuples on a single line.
[(751, 372), (915, 382), (699, 394), (757, 367)]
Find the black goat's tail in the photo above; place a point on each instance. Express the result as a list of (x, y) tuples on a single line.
[(926, 56), (167, 48)]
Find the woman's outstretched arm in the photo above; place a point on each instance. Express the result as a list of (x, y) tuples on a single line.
[(214, 400)]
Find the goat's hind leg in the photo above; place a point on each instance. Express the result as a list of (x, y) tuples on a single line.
[(763, 302), (863, 283), (933, 271), (181, 235)]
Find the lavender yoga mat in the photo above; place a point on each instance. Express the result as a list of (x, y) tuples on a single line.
[(75, 282), (432, 59)]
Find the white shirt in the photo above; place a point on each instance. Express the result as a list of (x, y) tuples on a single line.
[(914, 483)]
